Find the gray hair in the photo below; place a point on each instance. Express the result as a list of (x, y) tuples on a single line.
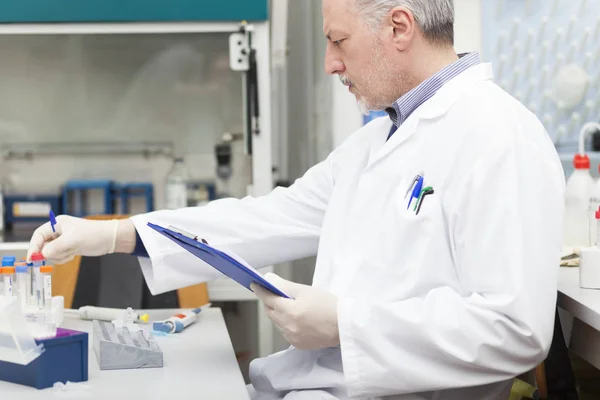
[(434, 17)]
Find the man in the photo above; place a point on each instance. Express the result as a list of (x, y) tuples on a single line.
[(437, 230)]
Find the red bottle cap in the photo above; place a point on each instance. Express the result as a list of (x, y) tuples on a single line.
[(581, 161), (37, 257)]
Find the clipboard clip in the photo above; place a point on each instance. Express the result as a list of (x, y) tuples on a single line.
[(186, 234)]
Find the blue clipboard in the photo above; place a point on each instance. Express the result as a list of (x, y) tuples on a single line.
[(218, 260)]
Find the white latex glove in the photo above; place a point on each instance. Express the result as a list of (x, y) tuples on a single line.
[(309, 321), (74, 236)]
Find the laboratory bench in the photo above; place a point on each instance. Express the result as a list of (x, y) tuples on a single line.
[(198, 363), (579, 311)]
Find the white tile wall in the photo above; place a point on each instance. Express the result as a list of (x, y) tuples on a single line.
[(117, 88)]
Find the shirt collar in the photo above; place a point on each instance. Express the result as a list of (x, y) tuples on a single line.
[(402, 108)]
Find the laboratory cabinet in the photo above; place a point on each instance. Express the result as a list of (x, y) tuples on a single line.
[(52, 11)]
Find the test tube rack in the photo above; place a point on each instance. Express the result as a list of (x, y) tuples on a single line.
[(121, 348)]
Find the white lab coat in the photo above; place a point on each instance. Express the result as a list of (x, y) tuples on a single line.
[(450, 304)]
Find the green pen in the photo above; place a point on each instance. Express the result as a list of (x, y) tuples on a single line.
[(419, 199)]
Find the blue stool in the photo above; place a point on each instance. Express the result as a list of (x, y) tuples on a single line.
[(78, 189)]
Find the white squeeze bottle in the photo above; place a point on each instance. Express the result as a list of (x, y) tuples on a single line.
[(577, 204), (594, 205), (176, 190)]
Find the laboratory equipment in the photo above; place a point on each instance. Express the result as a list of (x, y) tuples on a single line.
[(177, 322), (201, 27), (589, 260), (200, 193), (37, 260), (120, 348), (76, 194), (31, 299), (176, 190), (127, 191), (577, 202), (46, 295), (104, 314), (16, 344), (30, 208), (8, 277), (41, 363), (22, 283)]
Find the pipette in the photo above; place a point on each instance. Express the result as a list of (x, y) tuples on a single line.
[(179, 321), (104, 314)]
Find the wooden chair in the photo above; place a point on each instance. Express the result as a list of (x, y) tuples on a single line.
[(65, 278)]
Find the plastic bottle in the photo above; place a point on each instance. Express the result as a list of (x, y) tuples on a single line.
[(176, 189), (577, 203)]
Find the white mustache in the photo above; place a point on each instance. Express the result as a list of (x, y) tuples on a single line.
[(345, 81)]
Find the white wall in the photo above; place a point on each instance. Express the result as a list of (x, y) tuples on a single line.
[(345, 113), (467, 26)]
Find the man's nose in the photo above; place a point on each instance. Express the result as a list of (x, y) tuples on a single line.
[(333, 65)]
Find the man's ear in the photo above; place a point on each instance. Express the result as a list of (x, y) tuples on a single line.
[(404, 26)]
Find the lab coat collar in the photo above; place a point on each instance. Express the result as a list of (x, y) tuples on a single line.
[(433, 108)]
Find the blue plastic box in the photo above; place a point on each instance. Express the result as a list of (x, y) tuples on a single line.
[(65, 358)]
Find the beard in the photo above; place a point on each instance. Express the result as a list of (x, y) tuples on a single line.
[(382, 85)]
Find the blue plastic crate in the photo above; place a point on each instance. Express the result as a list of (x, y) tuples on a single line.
[(65, 358)]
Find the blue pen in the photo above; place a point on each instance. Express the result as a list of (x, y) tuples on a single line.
[(52, 221), (416, 191)]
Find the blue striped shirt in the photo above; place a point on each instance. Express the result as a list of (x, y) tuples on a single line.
[(407, 104)]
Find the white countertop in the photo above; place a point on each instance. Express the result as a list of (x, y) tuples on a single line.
[(199, 363), (583, 304)]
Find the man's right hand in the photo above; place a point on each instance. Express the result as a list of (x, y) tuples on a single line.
[(77, 236)]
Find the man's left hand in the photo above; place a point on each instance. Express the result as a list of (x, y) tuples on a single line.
[(309, 321)]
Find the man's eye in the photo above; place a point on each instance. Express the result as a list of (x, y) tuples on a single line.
[(337, 42)]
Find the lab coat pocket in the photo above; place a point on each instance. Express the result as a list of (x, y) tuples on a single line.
[(411, 232)]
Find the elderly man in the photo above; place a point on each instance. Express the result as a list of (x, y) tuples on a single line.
[(430, 227)]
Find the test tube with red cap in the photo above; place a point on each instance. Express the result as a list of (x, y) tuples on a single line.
[(598, 227), (37, 283)]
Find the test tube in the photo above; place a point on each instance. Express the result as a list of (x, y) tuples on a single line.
[(46, 278), (38, 261), (8, 276), (22, 281), (31, 301), (7, 261)]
